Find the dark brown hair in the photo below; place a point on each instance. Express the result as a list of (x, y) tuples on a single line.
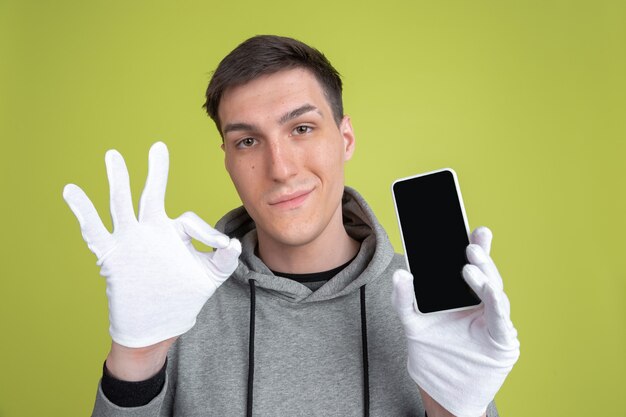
[(268, 54)]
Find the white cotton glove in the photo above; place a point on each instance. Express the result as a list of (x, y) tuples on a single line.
[(156, 280), (461, 358)]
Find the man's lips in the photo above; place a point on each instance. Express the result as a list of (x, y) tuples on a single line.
[(291, 199)]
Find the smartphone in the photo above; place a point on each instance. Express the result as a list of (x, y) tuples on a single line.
[(435, 234)]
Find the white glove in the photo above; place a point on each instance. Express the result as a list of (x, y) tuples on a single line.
[(156, 281), (461, 358)]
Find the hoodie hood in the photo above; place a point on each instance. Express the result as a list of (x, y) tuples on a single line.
[(373, 257)]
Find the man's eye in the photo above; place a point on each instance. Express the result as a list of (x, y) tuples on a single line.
[(301, 130), (246, 143)]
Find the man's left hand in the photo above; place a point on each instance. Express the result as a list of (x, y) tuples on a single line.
[(461, 358)]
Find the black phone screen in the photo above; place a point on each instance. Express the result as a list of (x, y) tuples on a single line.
[(435, 236)]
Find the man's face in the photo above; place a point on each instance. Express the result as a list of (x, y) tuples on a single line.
[(286, 155)]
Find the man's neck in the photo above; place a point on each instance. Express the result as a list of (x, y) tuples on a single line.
[(332, 248)]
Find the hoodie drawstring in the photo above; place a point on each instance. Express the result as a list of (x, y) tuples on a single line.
[(366, 378), (366, 368), (251, 347)]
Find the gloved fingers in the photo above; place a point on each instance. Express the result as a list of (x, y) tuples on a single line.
[(97, 237), (477, 256), (152, 202), (498, 316), (482, 237), (402, 294), (224, 261), (190, 225), (476, 279), (496, 304), (122, 211)]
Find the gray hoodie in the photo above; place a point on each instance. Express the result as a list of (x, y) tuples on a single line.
[(305, 354)]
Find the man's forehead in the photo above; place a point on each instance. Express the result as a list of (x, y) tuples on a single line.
[(273, 95)]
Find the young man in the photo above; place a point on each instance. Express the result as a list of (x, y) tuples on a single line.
[(305, 324)]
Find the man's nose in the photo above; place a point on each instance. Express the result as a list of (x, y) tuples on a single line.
[(282, 160)]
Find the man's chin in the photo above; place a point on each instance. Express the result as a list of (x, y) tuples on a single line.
[(287, 238)]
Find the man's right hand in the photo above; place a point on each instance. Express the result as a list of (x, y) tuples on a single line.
[(157, 282)]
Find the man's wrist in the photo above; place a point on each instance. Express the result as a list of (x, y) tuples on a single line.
[(137, 364)]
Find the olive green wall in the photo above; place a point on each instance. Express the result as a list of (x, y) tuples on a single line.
[(526, 100)]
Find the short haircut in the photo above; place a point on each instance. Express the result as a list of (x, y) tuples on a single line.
[(268, 54)]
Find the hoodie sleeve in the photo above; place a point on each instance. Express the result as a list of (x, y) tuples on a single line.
[(491, 410), (155, 408), (159, 406), (132, 393)]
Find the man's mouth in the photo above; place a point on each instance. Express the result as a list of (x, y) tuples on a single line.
[(291, 200)]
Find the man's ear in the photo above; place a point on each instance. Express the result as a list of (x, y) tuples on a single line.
[(225, 159), (347, 133)]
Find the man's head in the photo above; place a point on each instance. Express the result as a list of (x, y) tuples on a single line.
[(268, 54), (283, 147)]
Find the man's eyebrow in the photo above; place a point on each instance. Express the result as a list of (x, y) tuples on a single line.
[(232, 127), (305, 108)]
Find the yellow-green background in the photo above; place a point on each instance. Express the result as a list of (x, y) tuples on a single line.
[(526, 100)]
